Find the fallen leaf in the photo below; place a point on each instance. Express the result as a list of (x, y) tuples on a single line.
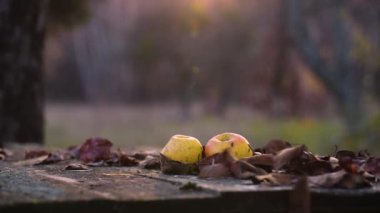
[(285, 156), (372, 165), (261, 160), (51, 158), (125, 160), (244, 170), (214, 170), (224, 165), (308, 164), (169, 166), (35, 154), (95, 149), (217, 165), (150, 162)]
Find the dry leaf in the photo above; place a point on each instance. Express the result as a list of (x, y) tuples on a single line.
[(35, 154), (125, 160), (244, 170), (224, 165), (51, 158), (285, 156), (217, 165), (150, 162), (260, 160), (169, 166), (95, 149), (372, 166)]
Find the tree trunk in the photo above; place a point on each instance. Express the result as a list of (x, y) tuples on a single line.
[(22, 28), (342, 77)]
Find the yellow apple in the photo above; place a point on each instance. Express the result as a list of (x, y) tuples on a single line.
[(184, 149), (235, 144)]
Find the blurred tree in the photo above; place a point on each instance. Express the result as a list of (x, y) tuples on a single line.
[(321, 35), (22, 30)]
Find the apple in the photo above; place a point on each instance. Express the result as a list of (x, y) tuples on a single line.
[(184, 149), (235, 144)]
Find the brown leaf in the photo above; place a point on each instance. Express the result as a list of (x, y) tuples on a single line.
[(95, 149), (35, 154), (244, 170), (217, 165), (372, 165), (150, 162), (51, 158), (169, 166), (224, 165), (275, 145), (140, 155), (317, 168), (308, 164), (260, 160), (214, 171), (125, 160), (285, 156)]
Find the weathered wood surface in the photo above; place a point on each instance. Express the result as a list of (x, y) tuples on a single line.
[(51, 188)]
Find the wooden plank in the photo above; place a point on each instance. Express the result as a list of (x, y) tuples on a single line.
[(115, 189)]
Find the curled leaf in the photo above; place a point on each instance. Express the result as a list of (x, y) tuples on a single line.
[(150, 162), (217, 165), (285, 156), (95, 149)]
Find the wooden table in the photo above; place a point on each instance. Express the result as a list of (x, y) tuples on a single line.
[(51, 188)]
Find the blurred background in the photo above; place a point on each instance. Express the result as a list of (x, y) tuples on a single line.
[(139, 71)]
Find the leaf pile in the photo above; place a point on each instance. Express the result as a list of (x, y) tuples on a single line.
[(280, 163), (93, 152), (277, 163)]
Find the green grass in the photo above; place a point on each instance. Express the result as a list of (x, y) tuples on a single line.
[(152, 126)]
